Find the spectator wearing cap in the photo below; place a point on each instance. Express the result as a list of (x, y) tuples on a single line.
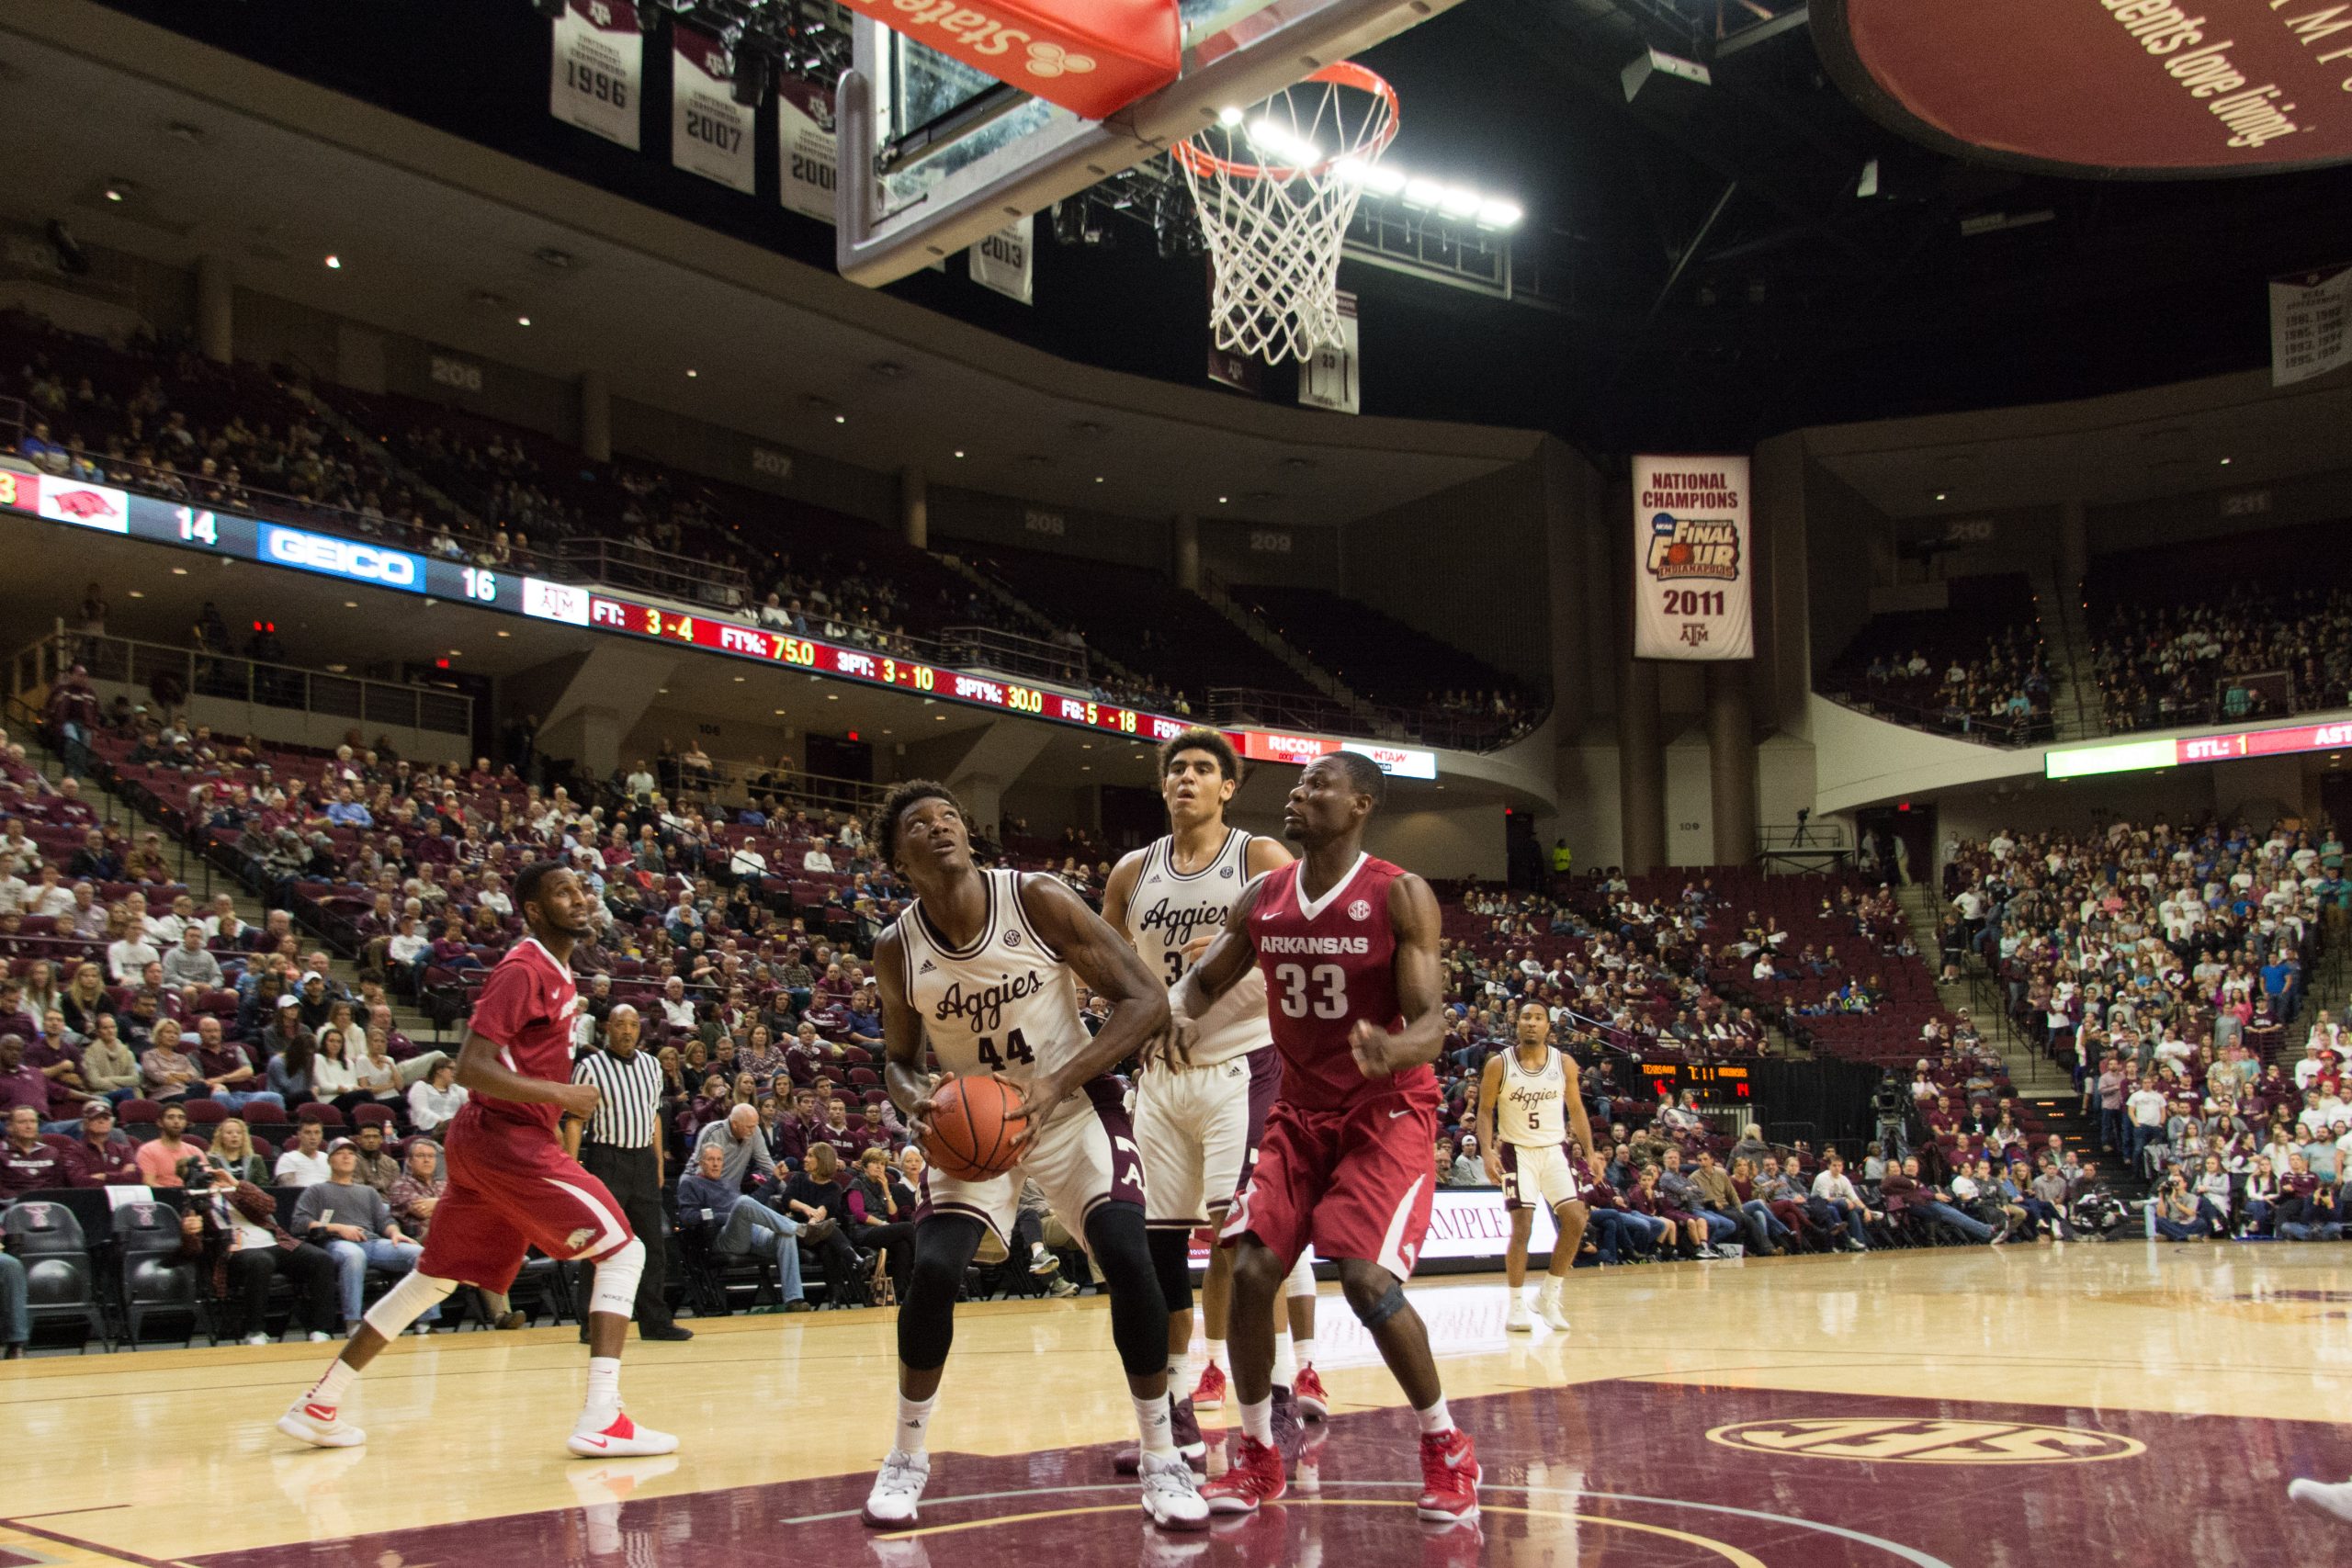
[(102, 1156), (354, 1224), (30, 1161), (161, 1157), (305, 1164)]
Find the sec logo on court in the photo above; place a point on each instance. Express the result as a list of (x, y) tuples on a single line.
[(1928, 1441)]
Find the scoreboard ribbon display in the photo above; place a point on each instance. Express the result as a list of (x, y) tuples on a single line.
[(2133, 756), (103, 507)]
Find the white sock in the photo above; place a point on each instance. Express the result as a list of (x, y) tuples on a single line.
[(914, 1424), (1155, 1426), (1549, 1288), (1258, 1420), (604, 1391), (1305, 1351), (331, 1387), (1216, 1354), (1180, 1374), (1285, 1363), (1435, 1418)]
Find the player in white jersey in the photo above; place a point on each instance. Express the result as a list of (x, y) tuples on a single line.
[(983, 969), (1529, 1099), (1199, 1124)]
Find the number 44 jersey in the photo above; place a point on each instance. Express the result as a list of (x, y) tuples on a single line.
[(1328, 963), (1004, 1002)]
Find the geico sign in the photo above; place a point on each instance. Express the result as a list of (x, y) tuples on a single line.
[(343, 558)]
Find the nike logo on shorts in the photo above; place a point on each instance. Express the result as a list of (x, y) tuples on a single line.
[(1394, 1114)]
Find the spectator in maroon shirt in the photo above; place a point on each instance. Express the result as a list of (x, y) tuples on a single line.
[(846, 1140), (28, 1161), (60, 1064), (102, 1156), (21, 1083)]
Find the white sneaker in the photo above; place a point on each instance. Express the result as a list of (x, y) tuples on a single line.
[(1520, 1320), (321, 1337), (1547, 1307), (622, 1438), (2335, 1501), (897, 1497), (1171, 1495), (258, 1339), (321, 1425)]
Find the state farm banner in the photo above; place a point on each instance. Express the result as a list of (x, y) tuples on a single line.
[(1092, 57), (597, 76), (1694, 571), (710, 133), (807, 156), (1003, 261), (2308, 325)]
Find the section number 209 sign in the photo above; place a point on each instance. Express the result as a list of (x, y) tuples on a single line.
[(1693, 566)]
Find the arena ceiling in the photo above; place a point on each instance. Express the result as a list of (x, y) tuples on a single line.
[(1711, 273)]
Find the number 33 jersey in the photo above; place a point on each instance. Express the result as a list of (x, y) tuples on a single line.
[(1003, 1003), (1329, 963)]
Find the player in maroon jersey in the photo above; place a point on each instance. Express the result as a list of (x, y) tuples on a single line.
[(1350, 949), (510, 1185)]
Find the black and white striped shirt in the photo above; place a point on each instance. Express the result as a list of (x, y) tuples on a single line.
[(630, 1108)]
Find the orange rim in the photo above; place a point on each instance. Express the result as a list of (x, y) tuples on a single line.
[(1346, 74)]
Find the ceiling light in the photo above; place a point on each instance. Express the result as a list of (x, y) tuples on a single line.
[(840, 419), (454, 654), (135, 593), (1229, 115), (692, 374), (182, 572), (1940, 495), (738, 680), (779, 713), (351, 604), (1423, 193), (118, 189), (1220, 501), (522, 321), (1499, 214), (1460, 201), (505, 634), (832, 696), (959, 452), (1086, 767), (335, 264), (1098, 479), (939, 719), (1086, 745), (2225, 462)]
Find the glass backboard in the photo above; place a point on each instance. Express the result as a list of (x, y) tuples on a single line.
[(952, 154)]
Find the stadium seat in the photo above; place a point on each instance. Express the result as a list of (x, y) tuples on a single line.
[(62, 1280)]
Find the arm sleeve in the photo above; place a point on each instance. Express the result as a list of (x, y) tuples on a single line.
[(856, 1206)]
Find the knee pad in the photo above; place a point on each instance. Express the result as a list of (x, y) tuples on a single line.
[(415, 1295), (1171, 1261), (1301, 1282), (617, 1277), (943, 1248), (1386, 1307)]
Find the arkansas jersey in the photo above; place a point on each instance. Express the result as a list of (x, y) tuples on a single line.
[(525, 1009), (1329, 961)]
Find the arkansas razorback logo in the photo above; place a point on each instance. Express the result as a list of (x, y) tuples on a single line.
[(83, 503)]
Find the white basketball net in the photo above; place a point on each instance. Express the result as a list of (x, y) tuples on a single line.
[(1275, 192)]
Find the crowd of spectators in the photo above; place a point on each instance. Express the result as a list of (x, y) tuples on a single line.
[(2247, 655), (1977, 667), (2163, 965)]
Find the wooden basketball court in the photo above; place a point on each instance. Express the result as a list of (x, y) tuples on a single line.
[(1941, 1409)]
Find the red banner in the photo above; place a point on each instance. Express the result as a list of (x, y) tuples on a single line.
[(1092, 57)]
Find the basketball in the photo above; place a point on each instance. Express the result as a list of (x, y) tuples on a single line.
[(969, 1139)]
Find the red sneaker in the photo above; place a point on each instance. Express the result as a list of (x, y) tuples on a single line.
[(1255, 1476), (1313, 1403), (1209, 1392), (1449, 1476)]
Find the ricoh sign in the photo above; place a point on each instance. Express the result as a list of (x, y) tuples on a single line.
[(346, 559)]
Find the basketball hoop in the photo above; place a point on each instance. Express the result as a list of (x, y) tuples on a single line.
[(1275, 188)]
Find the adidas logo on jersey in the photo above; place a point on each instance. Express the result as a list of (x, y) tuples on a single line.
[(927, 967)]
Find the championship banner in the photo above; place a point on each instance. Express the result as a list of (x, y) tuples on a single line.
[(1692, 567), (710, 133), (1004, 261), (1332, 378), (808, 156), (2308, 322), (597, 76)]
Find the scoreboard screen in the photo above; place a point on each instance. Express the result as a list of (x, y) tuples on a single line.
[(1718, 1083)]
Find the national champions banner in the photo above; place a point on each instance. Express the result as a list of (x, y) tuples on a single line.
[(1004, 261), (597, 76), (2310, 325), (710, 133), (1693, 567), (808, 156)]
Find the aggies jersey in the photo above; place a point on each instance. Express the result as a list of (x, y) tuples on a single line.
[(1004, 1003), (526, 1009), (1169, 908), (1532, 1109), (1328, 964)]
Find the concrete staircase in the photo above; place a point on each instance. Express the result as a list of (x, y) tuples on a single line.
[(2074, 703), (1255, 629)]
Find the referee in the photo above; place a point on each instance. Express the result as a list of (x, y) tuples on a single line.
[(621, 1146)]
